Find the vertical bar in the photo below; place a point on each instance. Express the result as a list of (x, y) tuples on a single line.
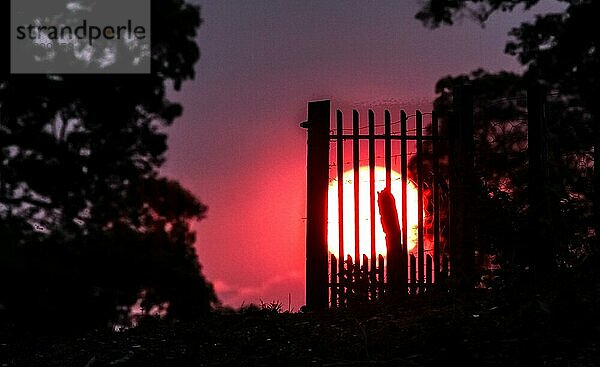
[(413, 274), (463, 199), (317, 176), (340, 178), (334, 287), (420, 232), (341, 281), (351, 278), (391, 242), (445, 268), (372, 184), (404, 173), (356, 169), (542, 243), (364, 280), (596, 177), (436, 196), (428, 270), (380, 280), (388, 149)]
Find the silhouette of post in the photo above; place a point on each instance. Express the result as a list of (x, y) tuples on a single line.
[(463, 197), (396, 274), (317, 177), (541, 242)]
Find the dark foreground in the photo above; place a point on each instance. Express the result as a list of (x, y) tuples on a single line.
[(426, 332)]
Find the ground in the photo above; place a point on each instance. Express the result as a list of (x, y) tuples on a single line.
[(425, 331)]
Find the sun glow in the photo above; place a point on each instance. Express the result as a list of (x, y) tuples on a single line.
[(364, 212)]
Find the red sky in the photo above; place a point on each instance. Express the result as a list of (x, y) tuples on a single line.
[(239, 146)]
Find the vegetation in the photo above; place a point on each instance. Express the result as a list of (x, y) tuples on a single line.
[(427, 331), (559, 54), (87, 226), (90, 231)]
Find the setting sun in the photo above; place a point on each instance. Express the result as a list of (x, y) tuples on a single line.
[(364, 208)]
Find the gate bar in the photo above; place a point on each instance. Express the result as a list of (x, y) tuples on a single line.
[(420, 232), (372, 184), (388, 150), (356, 168), (340, 177), (404, 173)]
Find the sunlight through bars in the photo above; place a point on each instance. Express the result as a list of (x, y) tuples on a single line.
[(364, 276)]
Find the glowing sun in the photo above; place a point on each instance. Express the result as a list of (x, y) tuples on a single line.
[(364, 212)]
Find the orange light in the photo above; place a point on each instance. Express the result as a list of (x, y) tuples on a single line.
[(364, 212)]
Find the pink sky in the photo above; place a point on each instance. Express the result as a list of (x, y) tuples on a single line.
[(239, 146)]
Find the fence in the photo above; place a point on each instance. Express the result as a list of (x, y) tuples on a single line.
[(337, 280), (369, 276)]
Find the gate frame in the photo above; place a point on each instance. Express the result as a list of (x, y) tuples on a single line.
[(460, 237)]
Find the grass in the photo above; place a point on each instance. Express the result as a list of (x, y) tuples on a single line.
[(427, 331)]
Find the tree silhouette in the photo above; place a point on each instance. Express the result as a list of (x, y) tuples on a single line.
[(560, 52), (500, 133), (499, 155), (85, 220)]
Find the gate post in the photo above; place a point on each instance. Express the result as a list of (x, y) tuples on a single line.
[(541, 204), (317, 180), (463, 196)]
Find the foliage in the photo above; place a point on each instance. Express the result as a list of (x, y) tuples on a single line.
[(265, 308), (272, 307), (437, 12), (87, 225), (559, 52), (500, 157), (434, 329)]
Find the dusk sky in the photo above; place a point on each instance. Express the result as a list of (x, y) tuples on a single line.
[(239, 146)]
